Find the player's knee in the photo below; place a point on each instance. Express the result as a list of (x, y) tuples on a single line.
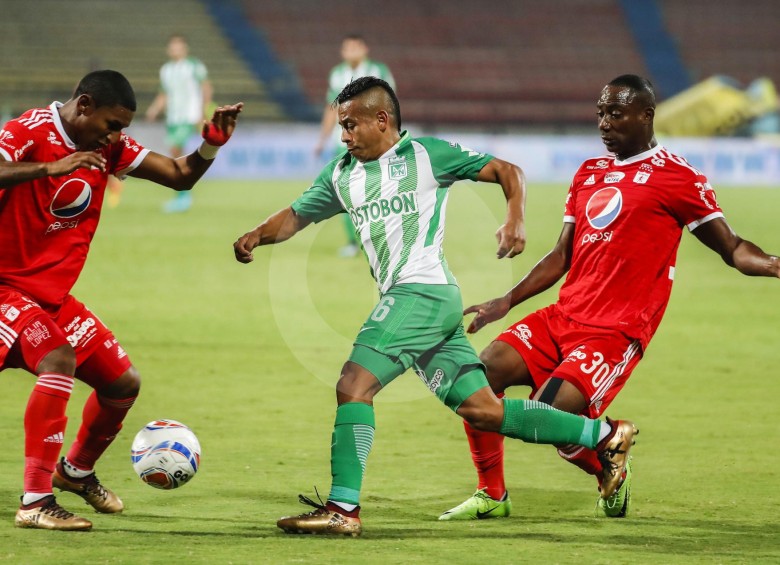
[(356, 386), (483, 418), (61, 360), (494, 369), (128, 385)]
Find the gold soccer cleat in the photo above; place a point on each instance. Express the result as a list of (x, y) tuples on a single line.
[(320, 521), (89, 488), (46, 514), (613, 453)]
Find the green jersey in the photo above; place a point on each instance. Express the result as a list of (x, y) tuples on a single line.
[(182, 81), (397, 204), (342, 74)]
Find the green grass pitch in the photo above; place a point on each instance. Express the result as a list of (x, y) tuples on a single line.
[(248, 355)]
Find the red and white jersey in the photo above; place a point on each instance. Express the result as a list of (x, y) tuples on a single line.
[(628, 217), (47, 224)]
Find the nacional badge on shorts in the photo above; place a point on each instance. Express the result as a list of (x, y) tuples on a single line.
[(397, 168)]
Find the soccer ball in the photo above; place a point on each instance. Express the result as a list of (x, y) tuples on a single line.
[(165, 454)]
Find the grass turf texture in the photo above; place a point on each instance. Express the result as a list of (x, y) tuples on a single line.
[(247, 356)]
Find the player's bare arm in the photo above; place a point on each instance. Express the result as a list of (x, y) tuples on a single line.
[(279, 227), (743, 255), (14, 173), (184, 172), (511, 235), (156, 107), (544, 274)]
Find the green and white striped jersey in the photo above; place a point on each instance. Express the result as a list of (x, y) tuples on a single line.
[(397, 204), (342, 74), (181, 81)]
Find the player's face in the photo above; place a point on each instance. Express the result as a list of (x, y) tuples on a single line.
[(101, 126), (353, 51), (626, 124), (361, 131), (177, 49)]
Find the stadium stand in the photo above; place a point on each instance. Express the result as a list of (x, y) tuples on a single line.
[(463, 62), (47, 45), (728, 37)]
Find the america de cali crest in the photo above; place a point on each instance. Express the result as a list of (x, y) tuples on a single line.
[(397, 169)]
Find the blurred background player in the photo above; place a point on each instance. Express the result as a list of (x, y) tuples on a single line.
[(623, 223), (395, 189), (185, 96), (54, 165), (355, 64)]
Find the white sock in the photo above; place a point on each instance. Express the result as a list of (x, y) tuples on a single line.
[(344, 505), (31, 497), (73, 472), (605, 430)]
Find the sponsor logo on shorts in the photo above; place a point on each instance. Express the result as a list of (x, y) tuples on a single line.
[(435, 382), (10, 312), (36, 333), (523, 333), (81, 331)]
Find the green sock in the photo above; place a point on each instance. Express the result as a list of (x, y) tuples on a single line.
[(353, 434), (535, 422)]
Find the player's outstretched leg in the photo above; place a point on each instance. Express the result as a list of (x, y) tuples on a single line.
[(102, 419), (44, 427)]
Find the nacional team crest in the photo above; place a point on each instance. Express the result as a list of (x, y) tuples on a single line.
[(71, 199), (604, 207), (397, 168)]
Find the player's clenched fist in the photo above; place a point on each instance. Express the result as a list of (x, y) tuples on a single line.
[(487, 312), (78, 160), (244, 245), (511, 240)]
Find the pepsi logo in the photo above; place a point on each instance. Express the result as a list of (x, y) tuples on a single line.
[(71, 199), (604, 207)]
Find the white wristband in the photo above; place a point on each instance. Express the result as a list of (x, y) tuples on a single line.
[(208, 152)]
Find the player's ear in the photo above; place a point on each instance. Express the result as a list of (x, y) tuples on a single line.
[(649, 114), (85, 105), (383, 120)]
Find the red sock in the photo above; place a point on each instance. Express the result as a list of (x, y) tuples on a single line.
[(584, 458), (100, 423), (44, 430), (487, 452)]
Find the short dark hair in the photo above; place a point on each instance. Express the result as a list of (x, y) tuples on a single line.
[(179, 36), (639, 85), (363, 84), (107, 88)]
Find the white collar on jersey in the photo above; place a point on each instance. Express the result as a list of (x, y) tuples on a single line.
[(639, 157), (55, 115)]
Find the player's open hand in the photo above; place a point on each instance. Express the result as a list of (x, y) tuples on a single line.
[(244, 245), (511, 239), (487, 312), (77, 160), (217, 131)]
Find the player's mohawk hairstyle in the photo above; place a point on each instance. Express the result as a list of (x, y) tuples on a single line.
[(107, 88), (363, 84), (639, 85)]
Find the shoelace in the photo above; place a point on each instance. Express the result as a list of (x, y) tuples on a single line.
[(319, 508), (93, 486), (55, 510)]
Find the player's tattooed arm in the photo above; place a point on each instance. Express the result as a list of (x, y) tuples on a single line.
[(12, 173), (745, 256), (277, 228), (544, 274), (511, 235)]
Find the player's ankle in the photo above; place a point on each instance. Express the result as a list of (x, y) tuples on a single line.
[(348, 510)]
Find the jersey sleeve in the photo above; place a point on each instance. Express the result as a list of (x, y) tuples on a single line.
[(200, 71), (320, 201), (17, 142), (696, 203), (451, 161), (334, 88), (386, 75), (568, 208), (126, 155)]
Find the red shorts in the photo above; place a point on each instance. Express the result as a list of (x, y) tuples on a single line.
[(597, 361), (28, 333)]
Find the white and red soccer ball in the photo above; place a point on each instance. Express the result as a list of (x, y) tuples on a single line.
[(165, 454)]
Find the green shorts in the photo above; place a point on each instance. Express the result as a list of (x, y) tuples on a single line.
[(177, 135), (420, 326)]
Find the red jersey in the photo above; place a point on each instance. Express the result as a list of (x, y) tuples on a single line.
[(628, 217), (47, 224)]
